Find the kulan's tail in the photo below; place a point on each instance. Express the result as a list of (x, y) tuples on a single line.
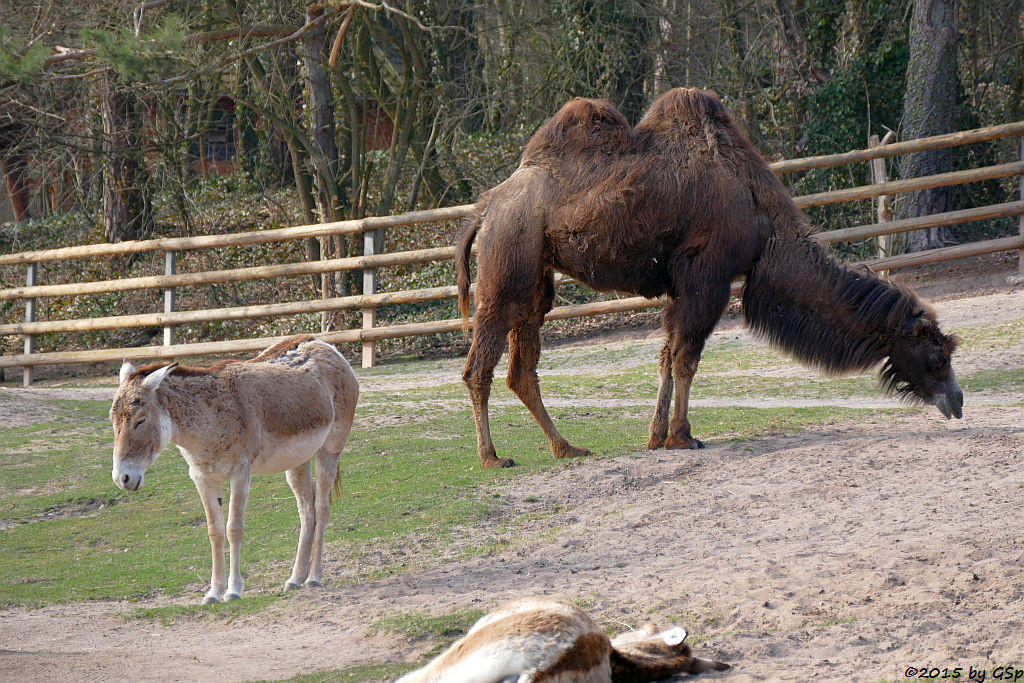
[(462, 255), (832, 317)]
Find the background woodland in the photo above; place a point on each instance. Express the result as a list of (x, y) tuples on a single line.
[(127, 120)]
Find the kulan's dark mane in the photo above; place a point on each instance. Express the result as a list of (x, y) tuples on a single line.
[(276, 351)]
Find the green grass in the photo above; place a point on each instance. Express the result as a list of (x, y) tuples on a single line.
[(411, 474)]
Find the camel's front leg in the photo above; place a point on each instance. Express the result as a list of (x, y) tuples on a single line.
[(301, 480), (210, 493), (240, 482)]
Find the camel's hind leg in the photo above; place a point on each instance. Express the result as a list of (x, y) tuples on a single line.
[(489, 332), (523, 354)]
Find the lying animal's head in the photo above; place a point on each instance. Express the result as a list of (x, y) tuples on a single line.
[(647, 650), (142, 427), (919, 368)]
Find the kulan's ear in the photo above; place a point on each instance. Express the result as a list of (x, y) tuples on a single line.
[(154, 379), (127, 368)]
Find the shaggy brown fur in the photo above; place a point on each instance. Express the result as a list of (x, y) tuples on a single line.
[(681, 205)]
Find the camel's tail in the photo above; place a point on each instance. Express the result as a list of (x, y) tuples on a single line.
[(829, 316), (656, 657), (462, 255)]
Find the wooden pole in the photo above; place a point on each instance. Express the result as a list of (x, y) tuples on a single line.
[(1020, 254), (883, 243), (369, 313), (170, 268), (30, 317)]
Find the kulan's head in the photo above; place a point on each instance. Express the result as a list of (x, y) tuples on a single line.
[(142, 427), (919, 368)]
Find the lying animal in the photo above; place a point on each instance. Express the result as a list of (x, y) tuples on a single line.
[(549, 640), (278, 412)]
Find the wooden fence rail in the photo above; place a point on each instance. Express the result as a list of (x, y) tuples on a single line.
[(370, 300)]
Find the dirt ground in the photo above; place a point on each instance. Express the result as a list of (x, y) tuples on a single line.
[(861, 551)]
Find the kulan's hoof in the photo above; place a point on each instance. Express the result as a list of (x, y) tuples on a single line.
[(312, 583), (290, 586), (210, 600), (683, 443), (232, 596)]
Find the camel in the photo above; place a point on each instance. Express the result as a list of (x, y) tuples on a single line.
[(543, 639), (277, 412), (681, 205)]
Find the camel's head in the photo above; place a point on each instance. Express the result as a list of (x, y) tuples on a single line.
[(919, 368), (142, 427)]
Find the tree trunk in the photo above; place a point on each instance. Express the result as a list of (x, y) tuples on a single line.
[(14, 169), (928, 110), (321, 127), (127, 213)]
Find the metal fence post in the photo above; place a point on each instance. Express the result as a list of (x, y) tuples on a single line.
[(170, 268), (369, 287), (30, 317)]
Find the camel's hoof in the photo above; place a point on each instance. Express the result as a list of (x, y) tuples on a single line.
[(572, 452), (210, 600), (655, 442), (497, 463), (232, 596), (683, 443)]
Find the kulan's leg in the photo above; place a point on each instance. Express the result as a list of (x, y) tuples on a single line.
[(211, 494), (240, 483), (300, 479), (659, 423), (523, 354), (489, 333), (326, 475)]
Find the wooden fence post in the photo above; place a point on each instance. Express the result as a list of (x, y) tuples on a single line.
[(170, 268), (30, 317), (883, 243), (1020, 254), (369, 287)]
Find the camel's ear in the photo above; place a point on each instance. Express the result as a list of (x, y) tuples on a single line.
[(127, 368), (154, 379)]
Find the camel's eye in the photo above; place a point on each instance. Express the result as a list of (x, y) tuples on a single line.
[(139, 423)]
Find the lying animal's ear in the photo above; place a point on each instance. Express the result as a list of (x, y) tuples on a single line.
[(127, 368), (156, 377), (674, 636)]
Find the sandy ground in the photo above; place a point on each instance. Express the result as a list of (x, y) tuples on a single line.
[(854, 551)]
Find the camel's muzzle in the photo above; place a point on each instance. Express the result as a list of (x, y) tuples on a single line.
[(950, 400)]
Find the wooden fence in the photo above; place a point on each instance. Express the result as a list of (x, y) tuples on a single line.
[(370, 300)]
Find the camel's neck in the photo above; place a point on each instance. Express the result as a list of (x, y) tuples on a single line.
[(828, 316)]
